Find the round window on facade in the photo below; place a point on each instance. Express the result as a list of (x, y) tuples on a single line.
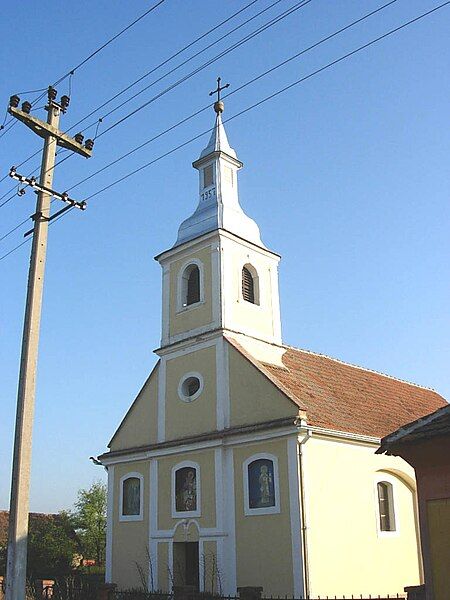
[(190, 387)]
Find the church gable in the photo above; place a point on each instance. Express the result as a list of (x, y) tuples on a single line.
[(254, 397), (139, 425)]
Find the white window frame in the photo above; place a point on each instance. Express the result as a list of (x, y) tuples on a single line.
[(189, 399), (256, 285), (140, 516), (383, 477), (269, 510), (180, 291), (185, 514)]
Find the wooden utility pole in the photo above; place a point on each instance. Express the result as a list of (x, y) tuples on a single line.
[(20, 484)]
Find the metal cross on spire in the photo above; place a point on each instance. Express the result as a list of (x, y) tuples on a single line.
[(218, 105)]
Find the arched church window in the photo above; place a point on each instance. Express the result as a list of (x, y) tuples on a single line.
[(191, 285), (186, 489), (250, 291), (386, 512), (131, 493), (261, 485)]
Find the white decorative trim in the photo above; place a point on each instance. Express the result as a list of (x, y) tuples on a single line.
[(233, 441), (294, 508), (187, 348), (153, 523), (382, 476), (205, 532), (165, 308), (186, 513), (220, 512), (345, 435), (140, 516), (223, 384), (215, 284), (229, 569), (170, 555), (180, 305), (109, 525), (183, 396), (269, 510)]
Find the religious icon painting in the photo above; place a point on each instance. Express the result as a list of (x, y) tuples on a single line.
[(186, 489), (131, 496), (261, 485)]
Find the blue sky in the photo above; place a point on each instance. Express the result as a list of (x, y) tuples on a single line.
[(346, 175)]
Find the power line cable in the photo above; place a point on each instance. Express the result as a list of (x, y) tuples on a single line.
[(153, 69), (237, 44), (256, 104), (236, 90), (201, 37), (274, 95), (99, 49)]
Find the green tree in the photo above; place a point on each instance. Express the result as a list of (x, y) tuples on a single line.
[(52, 545), (89, 519)]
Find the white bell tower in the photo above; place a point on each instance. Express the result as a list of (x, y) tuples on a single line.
[(219, 277)]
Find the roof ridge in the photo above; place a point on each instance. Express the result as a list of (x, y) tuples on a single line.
[(343, 362)]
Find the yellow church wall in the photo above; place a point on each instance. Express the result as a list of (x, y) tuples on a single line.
[(139, 426), (205, 460), (210, 572), (347, 554), (184, 319), (164, 577), (130, 538), (253, 398), (263, 542), (189, 418)]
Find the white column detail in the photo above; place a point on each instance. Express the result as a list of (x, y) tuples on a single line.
[(109, 525), (229, 569), (153, 526), (294, 507)]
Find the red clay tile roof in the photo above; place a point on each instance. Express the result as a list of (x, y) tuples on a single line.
[(347, 398)]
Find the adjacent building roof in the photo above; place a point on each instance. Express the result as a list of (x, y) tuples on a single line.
[(347, 398), (436, 424)]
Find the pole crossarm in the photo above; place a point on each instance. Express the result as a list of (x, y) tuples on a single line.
[(44, 130), (32, 182)]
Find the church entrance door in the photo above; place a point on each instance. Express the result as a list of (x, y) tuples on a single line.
[(186, 564)]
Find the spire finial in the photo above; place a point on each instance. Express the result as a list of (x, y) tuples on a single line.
[(218, 105)]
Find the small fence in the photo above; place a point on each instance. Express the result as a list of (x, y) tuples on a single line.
[(189, 595)]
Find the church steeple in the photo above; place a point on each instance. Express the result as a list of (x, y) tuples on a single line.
[(218, 205), (219, 277)]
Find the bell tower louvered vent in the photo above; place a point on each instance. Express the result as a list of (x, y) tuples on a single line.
[(248, 286)]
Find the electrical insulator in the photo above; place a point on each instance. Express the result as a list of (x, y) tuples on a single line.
[(89, 144), (14, 101), (65, 100), (79, 137), (52, 93), (26, 107)]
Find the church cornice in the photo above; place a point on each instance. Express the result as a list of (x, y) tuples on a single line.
[(215, 155), (221, 436), (172, 252)]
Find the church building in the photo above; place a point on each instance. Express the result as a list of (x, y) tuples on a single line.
[(246, 462)]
